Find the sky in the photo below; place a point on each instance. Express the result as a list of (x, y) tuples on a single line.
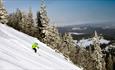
[(69, 12)]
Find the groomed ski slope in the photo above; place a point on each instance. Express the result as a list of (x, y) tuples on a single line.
[(16, 53)]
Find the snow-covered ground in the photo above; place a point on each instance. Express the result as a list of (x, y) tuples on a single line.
[(16, 53), (75, 33), (88, 42), (79, 28)]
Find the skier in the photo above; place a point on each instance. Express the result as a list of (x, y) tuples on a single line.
[(35, 46)]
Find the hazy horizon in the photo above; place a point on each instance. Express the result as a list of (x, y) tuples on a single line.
[(69, 12)]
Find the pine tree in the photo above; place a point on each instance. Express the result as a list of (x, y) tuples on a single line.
[(68, 46), (30, 16), (3, 13), (53, 38), (18, 16), (47, 33), (14, 19), (30, 23), (96, 53), (109, 62), (24, 24), (42, 22)]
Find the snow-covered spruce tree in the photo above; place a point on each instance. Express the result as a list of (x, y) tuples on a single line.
[(110, 62), (24, 24), (92, 58), (29, 23), (46, 33), (53, 38), (30, 16), (3, 13), (42, 22), (110, 57), (14, 19), (68, 46), (96, 54)]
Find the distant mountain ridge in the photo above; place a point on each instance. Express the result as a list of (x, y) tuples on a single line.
[(105, 28), (95, 24)]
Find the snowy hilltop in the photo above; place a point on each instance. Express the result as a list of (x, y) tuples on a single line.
[(16, 53), (88, 42)]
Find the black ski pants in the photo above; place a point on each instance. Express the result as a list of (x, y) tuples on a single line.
[(35, 50)]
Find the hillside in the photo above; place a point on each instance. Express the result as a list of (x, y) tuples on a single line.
[(16, 53), (106, 29)]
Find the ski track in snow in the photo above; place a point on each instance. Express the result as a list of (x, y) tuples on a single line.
[(16, 53)]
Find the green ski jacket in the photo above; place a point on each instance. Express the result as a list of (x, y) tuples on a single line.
[(34, 45)]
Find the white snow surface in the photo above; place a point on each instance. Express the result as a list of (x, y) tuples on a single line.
[(76, 28), (79, 28), (76, 33), (88, 42), (16, 53)]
